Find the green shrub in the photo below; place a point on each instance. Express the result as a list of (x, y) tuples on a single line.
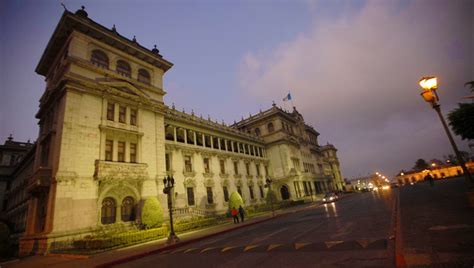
[(235, 201), (152, 214)]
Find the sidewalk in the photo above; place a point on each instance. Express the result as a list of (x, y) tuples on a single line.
[(109, 257), (437, 224)]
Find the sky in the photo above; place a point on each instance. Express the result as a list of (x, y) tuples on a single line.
[(352, 67)]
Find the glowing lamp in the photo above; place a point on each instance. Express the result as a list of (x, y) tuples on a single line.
[(429, 86)]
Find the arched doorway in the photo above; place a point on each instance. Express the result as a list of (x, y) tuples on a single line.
[(285, 194)]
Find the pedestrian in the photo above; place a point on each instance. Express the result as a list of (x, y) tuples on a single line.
[(241, 212), (430, 178), (234, 213)]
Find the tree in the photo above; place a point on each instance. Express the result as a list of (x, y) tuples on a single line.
[(420, 164), (461, 119), (152, 213), (235, 200)]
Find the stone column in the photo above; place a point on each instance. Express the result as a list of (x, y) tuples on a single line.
[(212, 142), (185, 136), (203, 140), (175, 134), (195, 140)]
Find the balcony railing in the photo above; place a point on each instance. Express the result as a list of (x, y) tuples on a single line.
[(40, 180), (106, 170)]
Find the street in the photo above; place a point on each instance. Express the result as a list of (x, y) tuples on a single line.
[(354, 231)]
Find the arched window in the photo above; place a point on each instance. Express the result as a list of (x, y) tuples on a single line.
[(144, 76), (108, 211), (100, 59), (270, 127), (257, 132), (123, 68), (128, 209)]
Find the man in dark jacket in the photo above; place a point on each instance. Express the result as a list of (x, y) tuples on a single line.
[(241, 212)]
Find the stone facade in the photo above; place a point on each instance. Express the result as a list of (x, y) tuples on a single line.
[(107, 140)]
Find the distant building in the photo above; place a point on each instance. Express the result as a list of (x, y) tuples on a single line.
[(11, 154), (107, 140), (438, 172)]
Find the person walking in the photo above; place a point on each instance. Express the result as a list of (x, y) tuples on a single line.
[(234, 213), (430, 179), (241, 212)]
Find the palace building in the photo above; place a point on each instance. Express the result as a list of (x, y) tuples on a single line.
[(107, 140)]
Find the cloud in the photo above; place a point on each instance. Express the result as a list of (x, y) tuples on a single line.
[(355, 74)]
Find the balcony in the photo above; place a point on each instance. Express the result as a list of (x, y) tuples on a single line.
[(106, 170), (40, 181)]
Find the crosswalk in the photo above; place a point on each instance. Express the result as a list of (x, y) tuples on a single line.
[(362, 244)]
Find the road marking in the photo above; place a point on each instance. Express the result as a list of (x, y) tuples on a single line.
[(250, 247), (300, 245), (331, 244), (207, 249), (449, 227), (190, 249), (227, 249), (272, 246), (364, 243), (178, 250)]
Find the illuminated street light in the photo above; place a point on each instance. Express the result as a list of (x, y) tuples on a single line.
[(402, 174), (168, 190), (433, 164), (429, 86)]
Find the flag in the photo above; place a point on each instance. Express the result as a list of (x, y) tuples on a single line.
[(287, 98)]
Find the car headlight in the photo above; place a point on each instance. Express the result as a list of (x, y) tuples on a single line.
[(324, 199)]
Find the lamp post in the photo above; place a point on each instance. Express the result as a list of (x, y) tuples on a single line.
[(168, 183), (268, 185), (429, 86)]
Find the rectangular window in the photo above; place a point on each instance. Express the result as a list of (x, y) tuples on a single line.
[(251, 192), (122, 112), (133, 152), (110, 111), (262, 195), (236, 168), (247, 168), (257, 166), (167, 162), (210, 198), (121, 151), (226, 194), (190, 191), (188, 167), (133, 117), (207, 168), (305, 185), (222, 165), (239, 190), (266, 170), (109, 149)]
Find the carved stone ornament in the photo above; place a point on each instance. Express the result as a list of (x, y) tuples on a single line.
[(189, 182), (209, 183), (117, 171)]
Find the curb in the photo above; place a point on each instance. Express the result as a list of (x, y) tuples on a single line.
[(399, 257), (197, 239)]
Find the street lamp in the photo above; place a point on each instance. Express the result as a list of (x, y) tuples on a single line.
[(168, 183), (268, 185), (429, 86)]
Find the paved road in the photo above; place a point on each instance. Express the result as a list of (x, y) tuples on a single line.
[(437, 224), (351, 232)]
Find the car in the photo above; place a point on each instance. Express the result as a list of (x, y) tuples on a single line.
[(330, 197)]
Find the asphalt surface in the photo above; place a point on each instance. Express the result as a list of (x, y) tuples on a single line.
[(437, 224), (354, 231)]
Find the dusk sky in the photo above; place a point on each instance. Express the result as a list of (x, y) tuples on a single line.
[(352, 66)]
